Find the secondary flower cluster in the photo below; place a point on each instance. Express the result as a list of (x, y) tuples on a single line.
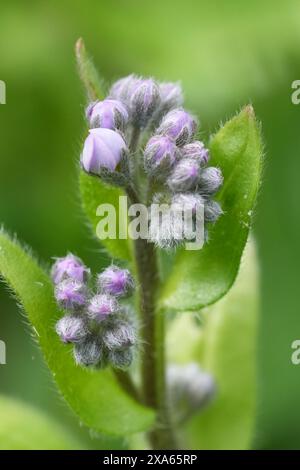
[(99, 327), (173, 165)]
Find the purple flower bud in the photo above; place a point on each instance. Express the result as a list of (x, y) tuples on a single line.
[(71, 329), (120, 335), (121, 358), (171, 96), (123, 88), (89, 353), (70, 294), (179, 125), (103, 148), (101, 306), (109, 114), (210, 181), (184, 176), (144, 100), (69, 267), (212, 211), (197, 151), (160, 154), (116, 281)]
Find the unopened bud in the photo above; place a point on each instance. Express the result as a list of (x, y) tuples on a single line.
[(71, 329), (101, 306), (196, 150), (212, 211), (109, 114), (123, 88), (160, 155), (210, 181), (179, 125), (171, 96), (89, 352), (103, 149), (185, 175), (116, 281), (70, 294), (69, 267), (121, 358), (119, 335), (144, 100)]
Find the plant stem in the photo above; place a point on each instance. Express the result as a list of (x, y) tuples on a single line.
[(152, 332)]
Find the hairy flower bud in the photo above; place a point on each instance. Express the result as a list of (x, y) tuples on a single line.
[(70, 294), (212, 211), (185, 175), (160, 155), (144, 101), (89, 352), (71, 329), (179, 125), (116, 281), (171, 96), (120, 334), (210, 180), (121, 358), (103, 149), (109, 114), (190, 388), (69, 267), (123, 88), (101, 306), (197, 151)]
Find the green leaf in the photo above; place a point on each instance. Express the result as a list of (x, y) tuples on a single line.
[(95, 192), (23, 427), (200, 278), (225, 347), (94, 396), (88, 72)]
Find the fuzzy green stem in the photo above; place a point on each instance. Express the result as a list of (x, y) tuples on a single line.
[(152, 333)]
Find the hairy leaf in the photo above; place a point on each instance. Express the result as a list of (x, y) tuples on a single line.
[(95, 192), (95, 396), (23, 427), (224, 346), (200, 278)]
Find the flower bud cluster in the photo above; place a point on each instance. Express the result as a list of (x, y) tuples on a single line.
[(173, 164), (98, 325), (179, 163)]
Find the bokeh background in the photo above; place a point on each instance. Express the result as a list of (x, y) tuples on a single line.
[(226, 54)]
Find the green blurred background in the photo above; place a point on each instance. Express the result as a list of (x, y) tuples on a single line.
[(226, 54)]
